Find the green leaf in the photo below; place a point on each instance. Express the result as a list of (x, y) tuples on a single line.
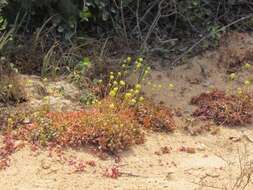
[(85, 14), (86, 61)]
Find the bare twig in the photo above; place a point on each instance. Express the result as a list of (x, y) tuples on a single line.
[(103, 48), (208, 35), (123, 21)]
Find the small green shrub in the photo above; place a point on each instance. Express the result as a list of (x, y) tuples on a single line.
[(87, 98)]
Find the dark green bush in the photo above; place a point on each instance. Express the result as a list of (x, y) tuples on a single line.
[(145, 21), (194, 15)]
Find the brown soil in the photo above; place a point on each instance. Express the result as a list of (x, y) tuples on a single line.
[(199, 155)]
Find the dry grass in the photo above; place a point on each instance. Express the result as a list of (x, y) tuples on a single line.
[(239, 173), (236, 51), (12, 89)]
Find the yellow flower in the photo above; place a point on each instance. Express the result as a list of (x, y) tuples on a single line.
[(247, 65), (129, 59), (115, 89), (119, 74), (137, 91), (112, 105), (131, 90), (10, 85), (46, 98), (123, 65), (239, 91), (100, 81), (137, 86), (122, 83), (247, 82), (138, 65), (133, 101), (128, 95), (29, 82), (111, 73), (111, 77), (171, 86), (232, 76), (141, 99), (140, 59), (160, 86), (115, 83), (10, 121), (112, 93)]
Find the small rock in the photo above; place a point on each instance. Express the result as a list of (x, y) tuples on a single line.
[(235, 139), (201, 147), (169, 175), (45, 165), (19, 144)]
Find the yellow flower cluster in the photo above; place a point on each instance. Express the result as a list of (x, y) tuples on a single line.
[(116, 84), (239, 91), (126, 62), (114, 92), (122, 83), (171, 86), (247, 66), (138, 63), (232, 76), (247, 83), (133, 95)]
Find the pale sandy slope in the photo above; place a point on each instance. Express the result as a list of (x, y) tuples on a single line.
[(214, 165)]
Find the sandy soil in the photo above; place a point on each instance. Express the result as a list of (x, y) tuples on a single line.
[(218, 157)]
